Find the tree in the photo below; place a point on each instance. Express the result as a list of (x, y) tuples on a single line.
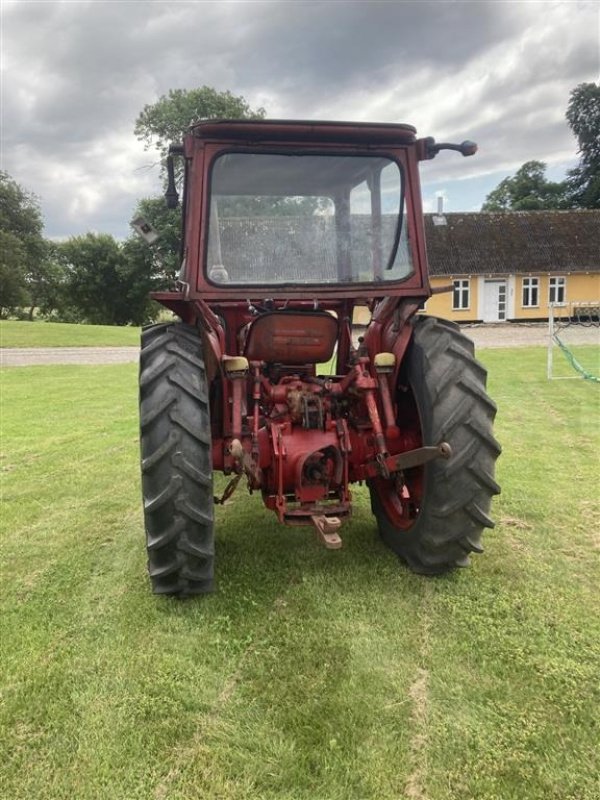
[(44, 279), (527, 190), (103, 285), (12, 278), (161, 123), (46, 283), (24, 249), (20, 215), (93, 289), (583, 115)]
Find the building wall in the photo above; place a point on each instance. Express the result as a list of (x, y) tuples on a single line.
[(582, 287), (440, 305)]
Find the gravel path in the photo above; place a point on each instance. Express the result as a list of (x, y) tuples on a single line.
[(30, 356), (525, 335), (508, 335)]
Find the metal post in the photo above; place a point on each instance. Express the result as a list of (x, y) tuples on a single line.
[(550, 339)]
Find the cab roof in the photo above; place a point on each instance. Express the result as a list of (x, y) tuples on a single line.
[(285, 130)]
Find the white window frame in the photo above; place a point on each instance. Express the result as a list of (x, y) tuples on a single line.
[(527, 286), (556, 283), (463, 285)]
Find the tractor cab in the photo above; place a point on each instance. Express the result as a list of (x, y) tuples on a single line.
[(282, 206)]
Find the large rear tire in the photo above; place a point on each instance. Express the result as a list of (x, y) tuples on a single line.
[(176, 461), (433, 516)]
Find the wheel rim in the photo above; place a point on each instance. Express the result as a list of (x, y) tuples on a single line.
[(402, 497)]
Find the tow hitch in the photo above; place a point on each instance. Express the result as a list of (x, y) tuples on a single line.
[(327, 530)]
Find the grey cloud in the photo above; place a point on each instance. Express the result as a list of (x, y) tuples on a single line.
[(79, 73), (83, 54), (336, 45)]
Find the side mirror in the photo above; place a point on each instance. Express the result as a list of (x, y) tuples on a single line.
[(467, 148), (171, 195), (429, 148)]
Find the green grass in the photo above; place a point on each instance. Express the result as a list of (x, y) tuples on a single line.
[(61, 334), (310, 674)]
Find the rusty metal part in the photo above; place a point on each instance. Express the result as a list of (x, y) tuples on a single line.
[(246, 463), (382, 466), (327, 530), (312, 412), (412, 458), (229, 490)]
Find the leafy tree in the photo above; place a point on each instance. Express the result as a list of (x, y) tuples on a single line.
[(21, 223), (93, 288), (20, 215), (103, 285), (47, 283), (161, 123), (12, 278), (527, 190), (583, 115), (144, 274), (44, 279)]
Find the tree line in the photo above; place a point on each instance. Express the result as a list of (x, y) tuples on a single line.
[(91, 278), (94, 278)]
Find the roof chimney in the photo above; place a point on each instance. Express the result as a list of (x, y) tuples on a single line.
[(439, 218)]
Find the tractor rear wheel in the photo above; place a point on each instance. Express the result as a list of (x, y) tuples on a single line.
[(176, 460), (433, 516)]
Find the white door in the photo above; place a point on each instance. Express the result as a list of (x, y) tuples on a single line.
[(494, 301)]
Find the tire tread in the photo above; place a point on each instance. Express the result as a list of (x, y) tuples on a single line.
[(176, 461)]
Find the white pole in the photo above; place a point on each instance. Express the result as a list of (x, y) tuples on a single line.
[(550, 339)]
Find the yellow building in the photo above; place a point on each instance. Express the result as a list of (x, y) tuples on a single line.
[(510, 266)]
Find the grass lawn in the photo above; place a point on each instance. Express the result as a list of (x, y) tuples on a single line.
[(311, 674), (61, 334)]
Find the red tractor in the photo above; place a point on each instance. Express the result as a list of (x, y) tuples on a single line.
[(288, 227)]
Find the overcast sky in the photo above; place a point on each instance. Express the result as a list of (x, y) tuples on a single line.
[(76, 74)]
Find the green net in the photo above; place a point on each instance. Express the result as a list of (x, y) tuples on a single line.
[(573, 361), (569, 330)]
